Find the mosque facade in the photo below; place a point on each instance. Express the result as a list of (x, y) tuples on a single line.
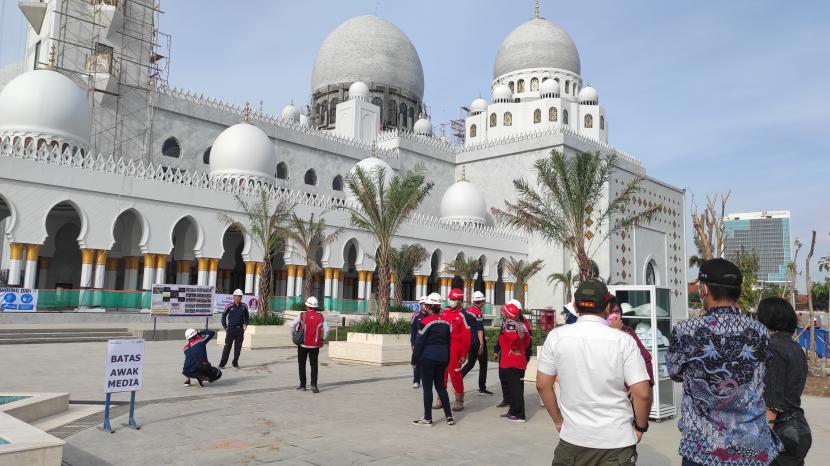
[(106, 187)]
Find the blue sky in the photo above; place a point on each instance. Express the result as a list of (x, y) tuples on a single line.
[(710, 95)]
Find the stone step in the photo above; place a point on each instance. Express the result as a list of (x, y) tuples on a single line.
[(28, 340), (13, 331)]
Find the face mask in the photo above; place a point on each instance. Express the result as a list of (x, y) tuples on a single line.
[(612, 318), (455, 303)]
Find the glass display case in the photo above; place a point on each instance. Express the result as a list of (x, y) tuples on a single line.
[(646, 309)]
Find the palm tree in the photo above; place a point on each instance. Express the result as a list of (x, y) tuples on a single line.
[(267, 225), (569, 202), (307, 237), (522, 271), (567, 279), (403, 262), (466, 269), (380, 207)]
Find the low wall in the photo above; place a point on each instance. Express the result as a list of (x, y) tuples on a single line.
[(372, 349)]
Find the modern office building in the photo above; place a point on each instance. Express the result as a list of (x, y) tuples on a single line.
[(765, 234)]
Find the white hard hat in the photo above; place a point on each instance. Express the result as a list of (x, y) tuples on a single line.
[(516, 303), (238, 292), (311, 302), (190, 333), (478, 296), (434, 298), (422, 299)]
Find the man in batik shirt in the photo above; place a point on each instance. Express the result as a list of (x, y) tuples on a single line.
[(720, 359)]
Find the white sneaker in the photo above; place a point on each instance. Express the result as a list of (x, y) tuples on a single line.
[(416, 385)]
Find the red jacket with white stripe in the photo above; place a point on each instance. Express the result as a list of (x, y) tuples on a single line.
[(459, 330), (513, 344)]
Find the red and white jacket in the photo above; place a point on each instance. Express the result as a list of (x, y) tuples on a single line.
[(315, 326), (459, 330), (513, 341)]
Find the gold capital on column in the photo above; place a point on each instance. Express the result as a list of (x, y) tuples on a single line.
[(214, 265), (250, 266), (44, 263), (149, 261), (32, 251), (131, 262), (258, 267), (203, 264), (328, 273), (161, 261), (100, 257), (112, 264), (87, 256), (16, 251)]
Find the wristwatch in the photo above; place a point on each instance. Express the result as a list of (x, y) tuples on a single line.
[(642, 430)]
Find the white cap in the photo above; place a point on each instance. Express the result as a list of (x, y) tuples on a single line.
[(516, 303), (433, 298), (190, 333), (238, 292), (422, 299), (478, 296), (311, 302)]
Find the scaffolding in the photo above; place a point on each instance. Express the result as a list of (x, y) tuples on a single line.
[(458, 127), (114, 48)]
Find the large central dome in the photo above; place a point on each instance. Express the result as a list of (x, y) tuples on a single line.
[(537, 43), (368, 49)]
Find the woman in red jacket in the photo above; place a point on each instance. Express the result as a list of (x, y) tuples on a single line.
[(514, 340)]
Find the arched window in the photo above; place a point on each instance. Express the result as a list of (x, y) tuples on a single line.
[(412, 114), (392, 113), (651, 275), (537, 116), (534, 84), (508, 119), (601, 122), (206, 156), (317, 117), (282, 171), (404, 122), (337, 183), (567, 87), (553, 114), (589, 121), (511, 86), (333, 111), (520, 86), (565, 117), (473, 131), (377, 101), (171, 148), (311, 177), (324, 113), (492, 120)]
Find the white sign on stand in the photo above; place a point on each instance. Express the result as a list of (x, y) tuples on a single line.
[(125, 366), (221, 301)]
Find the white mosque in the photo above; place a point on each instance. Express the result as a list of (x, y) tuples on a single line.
[(111, 180)]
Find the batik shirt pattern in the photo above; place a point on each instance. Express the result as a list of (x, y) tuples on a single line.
[(720, 358)]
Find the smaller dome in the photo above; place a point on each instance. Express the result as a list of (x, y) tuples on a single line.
[(502, 93), (305, 120), (478, 106), (291, 113), (464, 202), (243, 151), (549, 88), (588, 95), (359, 91), (423, 126), (371, 165)]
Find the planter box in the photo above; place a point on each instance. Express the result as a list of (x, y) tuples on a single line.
[(532, 366), (375, 350), (27, 445), (262, 336)]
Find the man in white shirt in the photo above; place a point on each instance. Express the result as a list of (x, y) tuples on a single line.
[(594, 362)]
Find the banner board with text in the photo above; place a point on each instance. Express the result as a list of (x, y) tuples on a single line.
[(182, 300)]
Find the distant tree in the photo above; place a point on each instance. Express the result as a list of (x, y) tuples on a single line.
[(567, 279), (809, 286), (569, 204), (522, 271), (307, 237), (821, 293), (708, 229), (466, 269), (750, 291), (793, 268), (403, 262)]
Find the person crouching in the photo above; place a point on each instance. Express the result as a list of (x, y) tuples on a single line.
[(196, 364), (431, 354), (514, 340)]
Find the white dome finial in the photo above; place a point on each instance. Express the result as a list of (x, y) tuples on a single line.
[(536, 12)]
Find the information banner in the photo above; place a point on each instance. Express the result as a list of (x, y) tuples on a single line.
[(125, 366), (220, 301), (18, 299), (182, 300)]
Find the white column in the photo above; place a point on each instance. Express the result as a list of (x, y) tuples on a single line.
[(298, 281), (249, 277), (149, 271), (335, 284), (361, 284), (100, 269), (445, 287), (87, 260), (213, 272), (257, 273), (131, 272), (327, 282), (161, 268), (32, 252), (43, 274), (111, 274), (289, 284), (368, 284), (203, 264), (15, 262)]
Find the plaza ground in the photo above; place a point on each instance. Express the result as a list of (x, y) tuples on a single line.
[(254, 416)]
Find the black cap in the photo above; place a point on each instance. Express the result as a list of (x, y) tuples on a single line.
[(719, 272), (591, 295)]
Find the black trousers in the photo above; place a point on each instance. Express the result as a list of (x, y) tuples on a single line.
[(794, 454), (204, 371), (416, 374), (310, 354), (232, 336), (482, 366), (515, 391), (432, 374), (505, 389)]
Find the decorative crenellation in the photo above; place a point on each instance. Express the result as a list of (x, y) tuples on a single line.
[(137, 169), (437, 143)]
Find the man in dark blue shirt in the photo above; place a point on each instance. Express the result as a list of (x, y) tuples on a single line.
[(720, 358), (235, 322), (414, 327)]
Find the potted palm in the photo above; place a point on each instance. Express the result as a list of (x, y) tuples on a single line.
[(380, 207)]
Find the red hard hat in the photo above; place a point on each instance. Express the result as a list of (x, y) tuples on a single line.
[(510, 311), (456, 294)]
